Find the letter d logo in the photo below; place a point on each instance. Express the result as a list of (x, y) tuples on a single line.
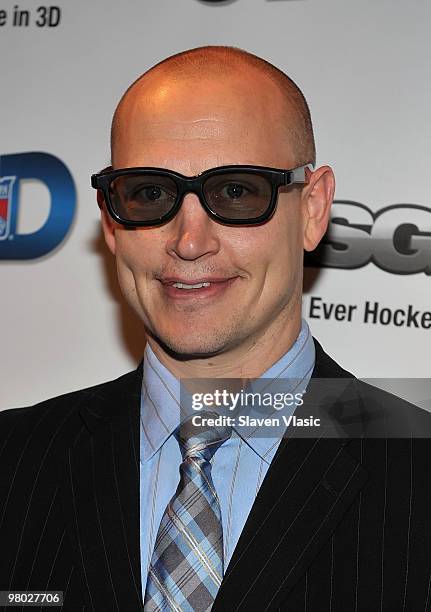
[(50, 171)]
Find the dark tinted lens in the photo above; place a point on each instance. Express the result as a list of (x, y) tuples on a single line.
[(145, 197), (238, 195)]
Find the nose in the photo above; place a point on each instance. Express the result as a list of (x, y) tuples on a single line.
[(193, 234)]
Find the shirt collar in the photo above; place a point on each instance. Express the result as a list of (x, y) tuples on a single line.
[(160, 408), (291, 373), (160, 403)]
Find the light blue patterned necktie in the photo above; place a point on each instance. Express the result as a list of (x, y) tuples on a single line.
[(186, 567)]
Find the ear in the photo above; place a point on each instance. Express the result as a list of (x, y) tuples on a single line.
[(317, 199), (108, 224)]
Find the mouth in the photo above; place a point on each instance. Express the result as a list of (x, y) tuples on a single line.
[(184, 289)]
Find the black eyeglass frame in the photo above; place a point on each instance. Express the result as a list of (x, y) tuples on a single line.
[(194, 184)]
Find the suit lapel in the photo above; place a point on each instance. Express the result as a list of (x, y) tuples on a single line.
[(102, 495), (310, 485), (308, 488)]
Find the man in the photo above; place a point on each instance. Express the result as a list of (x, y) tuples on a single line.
[(92, 503)]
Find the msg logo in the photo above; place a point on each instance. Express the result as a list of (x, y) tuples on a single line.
[(50, 172), (396, 238)]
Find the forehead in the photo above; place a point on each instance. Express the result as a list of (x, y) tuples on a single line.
[(228, 117)]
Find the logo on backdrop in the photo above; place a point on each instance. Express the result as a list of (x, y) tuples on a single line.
[(53, 173), (396, 238)]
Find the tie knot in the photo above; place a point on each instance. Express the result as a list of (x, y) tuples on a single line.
[(201, 440)]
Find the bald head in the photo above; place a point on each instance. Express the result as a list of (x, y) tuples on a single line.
[(228, 65)]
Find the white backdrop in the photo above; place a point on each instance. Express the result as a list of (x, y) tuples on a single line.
[(364, 68)]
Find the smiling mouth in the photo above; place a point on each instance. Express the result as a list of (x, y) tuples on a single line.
[(196, 286), (180, 288)]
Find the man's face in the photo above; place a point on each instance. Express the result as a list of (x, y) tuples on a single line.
[(190, 126)]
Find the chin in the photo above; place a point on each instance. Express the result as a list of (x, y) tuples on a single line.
[(192, 346)]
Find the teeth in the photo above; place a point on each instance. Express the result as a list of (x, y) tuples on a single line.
[(184, 286)]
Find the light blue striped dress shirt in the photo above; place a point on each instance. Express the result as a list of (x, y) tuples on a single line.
[(239, 465)]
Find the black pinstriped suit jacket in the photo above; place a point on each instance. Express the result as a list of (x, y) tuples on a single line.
[(338, 524)]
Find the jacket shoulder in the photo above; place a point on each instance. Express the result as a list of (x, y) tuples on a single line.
[(392, 416), (61, 414), (362, 409)]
